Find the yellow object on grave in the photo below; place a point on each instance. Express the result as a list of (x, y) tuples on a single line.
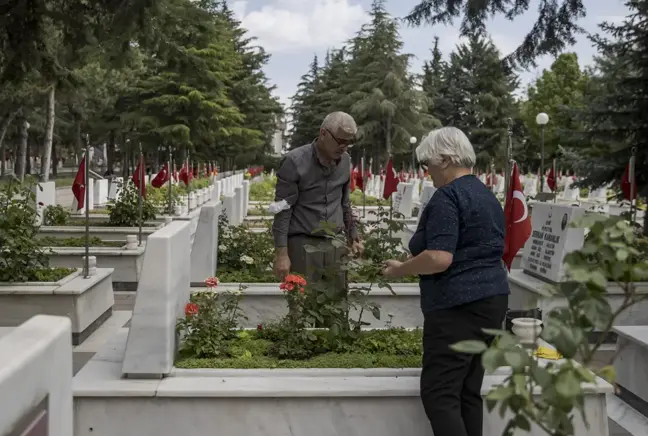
[(547, 353)]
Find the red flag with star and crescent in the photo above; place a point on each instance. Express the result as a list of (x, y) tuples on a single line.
[(78, 186), (517, 219)]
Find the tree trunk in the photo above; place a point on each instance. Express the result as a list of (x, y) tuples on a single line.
[(55, 160), (388, 133), (4, 126), (46, 158), (110, 153), (21, 157), (645, 223), (78, 143), (28, 160)]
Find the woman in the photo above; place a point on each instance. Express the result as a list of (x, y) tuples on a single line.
[(457, 252)]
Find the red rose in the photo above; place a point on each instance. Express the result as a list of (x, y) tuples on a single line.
[(259, 327), (191, 309)]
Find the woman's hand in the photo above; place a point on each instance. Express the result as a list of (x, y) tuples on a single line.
[(392, 269)]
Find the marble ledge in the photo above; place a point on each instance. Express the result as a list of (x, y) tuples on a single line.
[(100, 251), (61, 282), (633, 333), (253, 289), (101, 229), (533, 284), (75, 286)]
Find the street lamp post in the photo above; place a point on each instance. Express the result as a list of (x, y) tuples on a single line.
[(413, 142), (542, 119)]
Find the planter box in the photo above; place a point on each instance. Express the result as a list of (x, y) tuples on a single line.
[(316, 402), (87, 302), (103, 232), (127, 264), (265, 301), (528, 292)]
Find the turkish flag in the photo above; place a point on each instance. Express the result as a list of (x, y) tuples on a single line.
[(162, 177), (391, 181), (352, 177), (138, 176), (184, 175), (517, 219), (551, 179), (626, 184), (78, 186), (359, 179)]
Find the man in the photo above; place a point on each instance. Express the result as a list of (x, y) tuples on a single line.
[(314, 180)]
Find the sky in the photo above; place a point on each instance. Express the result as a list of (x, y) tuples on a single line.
[(293, 31)]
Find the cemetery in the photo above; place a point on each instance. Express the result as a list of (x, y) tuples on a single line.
[(161, 230), (198, 260)]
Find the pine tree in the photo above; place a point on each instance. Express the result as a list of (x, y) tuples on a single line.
[(617, 121), (184, 97), (252, 94), (388, 108), (478, 93), (305, 109), (552, 32), (433, 83)]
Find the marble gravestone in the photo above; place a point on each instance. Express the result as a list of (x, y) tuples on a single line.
[(551, 239), (426, 196)]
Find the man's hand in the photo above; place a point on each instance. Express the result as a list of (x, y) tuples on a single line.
[(281, 265), (357, 248), (392, 269)]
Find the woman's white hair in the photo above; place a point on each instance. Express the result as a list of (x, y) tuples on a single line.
[(447, 143)]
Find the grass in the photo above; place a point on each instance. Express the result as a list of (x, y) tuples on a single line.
[(79, 242), (45, 274), (61, 182), (390, 348), (98, 223)]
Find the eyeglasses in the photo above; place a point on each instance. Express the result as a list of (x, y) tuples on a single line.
[(341, 142)]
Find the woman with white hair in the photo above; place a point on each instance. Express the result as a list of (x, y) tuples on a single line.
[(457, 252)]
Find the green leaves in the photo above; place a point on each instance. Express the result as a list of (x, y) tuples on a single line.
[(471, 347)]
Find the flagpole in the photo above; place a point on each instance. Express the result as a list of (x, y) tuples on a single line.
[(631, 174), (509, 157), (189, 176), (170, 177), (364, 198), (86, 260), (555, 176), (139, 200)]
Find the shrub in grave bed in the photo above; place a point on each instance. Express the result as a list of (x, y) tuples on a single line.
[(263, 190), (56, 216), (124, 212), (356, 200), (244, 256), (22, 257), (159, 197), (211, 337)]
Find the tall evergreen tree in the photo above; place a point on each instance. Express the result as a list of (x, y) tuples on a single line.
[(306, 110), (558, 92), (433, 83), (383, 98), (552, 32), (616, 120), (478, 92)]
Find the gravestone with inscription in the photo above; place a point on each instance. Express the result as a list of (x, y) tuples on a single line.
[(551, 239)]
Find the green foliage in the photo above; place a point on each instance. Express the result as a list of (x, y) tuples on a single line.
[(243, 254), (560, 93), (390, 348), (159, 197), (210, 323), (368, 79), (21, 257), (474, 92), (79, 242), (554, 29), (56, 216), (125, 211), (610, 257), (616, 107), (263, 190)]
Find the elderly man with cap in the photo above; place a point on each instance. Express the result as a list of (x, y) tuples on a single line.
[(314, 182)]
